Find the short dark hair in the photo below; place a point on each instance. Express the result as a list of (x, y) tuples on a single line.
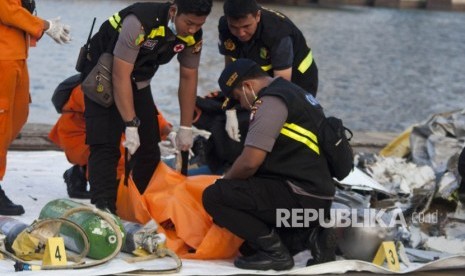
[(238, 71), (240, 8), (197, 7)]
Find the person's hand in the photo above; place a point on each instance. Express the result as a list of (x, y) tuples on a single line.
[(172, 138), (132, 141), (58, 31), (232, 125), (184, 138), (168, 147)]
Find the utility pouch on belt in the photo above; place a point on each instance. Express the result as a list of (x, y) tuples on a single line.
[(335, 143), (98, 83), (84, 51)]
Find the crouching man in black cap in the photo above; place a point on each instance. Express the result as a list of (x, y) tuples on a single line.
[(280, 170)]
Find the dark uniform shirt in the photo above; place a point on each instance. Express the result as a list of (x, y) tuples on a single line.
[(276, 45)]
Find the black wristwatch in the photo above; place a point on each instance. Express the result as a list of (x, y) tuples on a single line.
[(133, 123)]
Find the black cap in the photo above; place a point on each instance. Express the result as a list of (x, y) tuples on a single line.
[(233, 74)]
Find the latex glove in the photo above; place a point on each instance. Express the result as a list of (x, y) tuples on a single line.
[(132, 141), (172, 138), (184, 138), (58, 31), (167, 148), (232, 125)]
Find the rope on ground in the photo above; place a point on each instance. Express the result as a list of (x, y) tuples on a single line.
[(160, 253), (64, 219)]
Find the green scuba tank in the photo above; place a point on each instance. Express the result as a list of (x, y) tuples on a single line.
[(102, 238)]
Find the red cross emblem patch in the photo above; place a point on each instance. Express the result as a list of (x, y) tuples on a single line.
[(178, 48)]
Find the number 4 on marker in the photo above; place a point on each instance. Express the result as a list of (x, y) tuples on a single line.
[(54, 252), (387, 251)]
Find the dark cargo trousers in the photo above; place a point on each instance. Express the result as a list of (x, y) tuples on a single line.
[(247, 208), (104, 127)]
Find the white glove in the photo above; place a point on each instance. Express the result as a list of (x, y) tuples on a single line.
[(166, 148), (58, 31), (232, 125), (172, 138), (184, 138), (132, 141)]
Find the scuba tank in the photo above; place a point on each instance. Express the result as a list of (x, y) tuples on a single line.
[(144, 237), (102, 238), (11, 228)]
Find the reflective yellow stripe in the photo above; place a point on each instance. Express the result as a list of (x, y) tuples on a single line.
[(301, 139), (160, 31), (305, 64), (302, 131), (264, 67), (115, 21), (190, 40)]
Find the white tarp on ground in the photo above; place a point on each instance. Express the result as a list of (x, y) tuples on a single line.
[(35, 178)]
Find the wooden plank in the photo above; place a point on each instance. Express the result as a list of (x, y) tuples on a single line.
[(35, 137)]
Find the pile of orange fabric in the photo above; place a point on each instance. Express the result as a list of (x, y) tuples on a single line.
[(175, 202)]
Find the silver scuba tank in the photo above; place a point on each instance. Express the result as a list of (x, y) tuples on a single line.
[(11, 228)]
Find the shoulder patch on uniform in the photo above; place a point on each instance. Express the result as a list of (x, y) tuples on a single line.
[(312, 100), (178, 48), (229, 45), (139, 39), (263, 53), (197, 47)]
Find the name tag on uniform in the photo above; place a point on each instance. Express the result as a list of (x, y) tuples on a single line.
[(150, 44)]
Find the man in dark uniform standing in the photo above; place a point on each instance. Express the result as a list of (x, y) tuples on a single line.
[(271, 40), (141, 37), (282, 166)]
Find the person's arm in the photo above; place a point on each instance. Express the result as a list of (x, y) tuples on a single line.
[(14, 15), (125, 55), (282, 58), (246, 164), (187, 93), (264, 129), (285, 74), (122, 88)]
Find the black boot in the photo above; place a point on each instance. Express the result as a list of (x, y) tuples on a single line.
[(322, 244), (106, 205), (7, 207), (271, 254), (76, 182)]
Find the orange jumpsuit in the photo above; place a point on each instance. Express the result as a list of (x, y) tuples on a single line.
[(17, 28), (69, 132)]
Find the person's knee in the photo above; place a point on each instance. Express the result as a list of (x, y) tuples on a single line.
[(210, 198)]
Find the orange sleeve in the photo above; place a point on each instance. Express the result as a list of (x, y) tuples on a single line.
[(12, 14), (164, 126)]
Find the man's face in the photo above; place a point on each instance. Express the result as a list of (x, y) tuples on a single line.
[(188, 23), (244, 28)]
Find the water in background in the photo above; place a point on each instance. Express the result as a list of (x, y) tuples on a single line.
[(380, 69)]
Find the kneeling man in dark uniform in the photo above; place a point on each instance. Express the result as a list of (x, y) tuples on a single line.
[(281, 169)]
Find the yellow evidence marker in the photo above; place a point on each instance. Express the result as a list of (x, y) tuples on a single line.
[(55, 253), (387, 251)]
